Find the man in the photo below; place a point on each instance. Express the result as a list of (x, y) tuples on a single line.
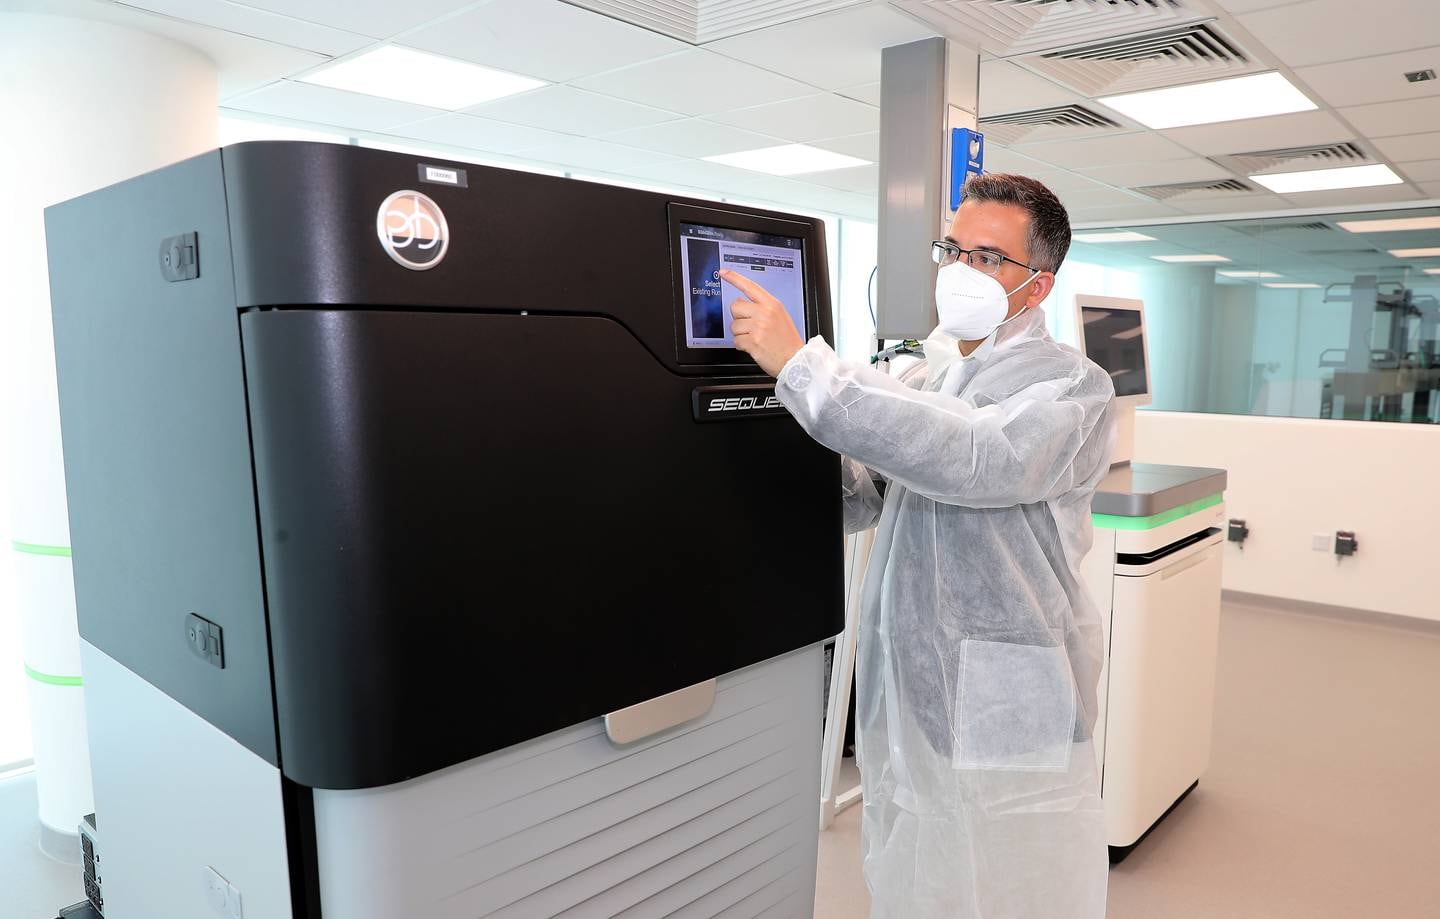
[(979, 651)]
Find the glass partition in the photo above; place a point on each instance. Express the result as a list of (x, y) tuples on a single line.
[(1332, 316)]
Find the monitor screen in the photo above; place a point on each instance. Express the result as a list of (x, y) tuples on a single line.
[(776, 263), (1115, 339)]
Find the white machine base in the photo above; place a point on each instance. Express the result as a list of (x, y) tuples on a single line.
[(714, 817)]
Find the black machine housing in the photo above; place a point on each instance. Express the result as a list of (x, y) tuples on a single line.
[(434, 513)]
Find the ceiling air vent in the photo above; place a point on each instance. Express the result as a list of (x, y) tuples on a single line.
[(1009, 27), (1148, 60), (702, 21), (1346, 153), (1176, 189), (1010, 127)]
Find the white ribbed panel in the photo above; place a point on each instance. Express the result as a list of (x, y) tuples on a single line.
[(713, 818), (1007, 27)]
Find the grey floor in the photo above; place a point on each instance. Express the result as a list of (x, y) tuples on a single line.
[(31, 885), (1322, 800), (1323, 796)]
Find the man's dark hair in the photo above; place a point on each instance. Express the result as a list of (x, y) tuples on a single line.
[(1049, 237)]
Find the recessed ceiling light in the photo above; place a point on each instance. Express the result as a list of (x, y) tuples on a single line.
[(1432, 270), (1285, 183), (1291, 286), (1181, 259), (1255, 96), (1397, 225), (1119, 237), (787, 160), (1431, 252), (1249, 274), (413, 76)]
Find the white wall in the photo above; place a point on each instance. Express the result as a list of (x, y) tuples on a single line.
[(1291, 477)]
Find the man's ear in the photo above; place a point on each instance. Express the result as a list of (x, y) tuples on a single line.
[(1040, 288)]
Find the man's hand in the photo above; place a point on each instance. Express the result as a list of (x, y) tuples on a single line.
[(761, 327)]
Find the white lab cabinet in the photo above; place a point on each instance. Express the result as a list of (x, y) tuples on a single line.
[(1156, 581)]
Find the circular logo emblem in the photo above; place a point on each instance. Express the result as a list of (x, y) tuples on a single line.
[(412, 230)]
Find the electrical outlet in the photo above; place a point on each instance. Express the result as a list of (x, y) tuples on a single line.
[(217, 891), (1322, 542)]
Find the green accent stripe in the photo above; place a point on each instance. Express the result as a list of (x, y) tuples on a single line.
[(32, 549), (1110, 522), (51, 678)]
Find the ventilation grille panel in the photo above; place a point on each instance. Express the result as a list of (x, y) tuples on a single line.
[(1149, 60), (1345, 153), (1194, 189), (1268, 228), (702, 21), (1011, 27), (1010, 127)]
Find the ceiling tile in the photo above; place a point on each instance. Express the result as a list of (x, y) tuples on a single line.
[(1006, 159), (1423, 171), (571, 111), (1431, 189), (1118, 149), (1138, 211), (865, 179), (1008, 87), (1100, 196), (1346, 196), (543, 38), (696, 82), (588, 153), (693, 137), (810, 118), (1248, 6), (1387, 118), (864, 146), (257, 23), (1373, 79), (376, 18), (869, 93), (1232, 204), (1276, 132), (1061, 181), (1134, 175), (1338, 30), (1409, 146), (712, 178), (829, 51), (479, 133), (324, 105)]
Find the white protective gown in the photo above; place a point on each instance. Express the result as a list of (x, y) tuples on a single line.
[(979, 650)]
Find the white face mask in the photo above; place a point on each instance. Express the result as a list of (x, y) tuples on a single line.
[(971, 304)]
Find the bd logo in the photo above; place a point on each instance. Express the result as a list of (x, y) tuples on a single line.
[(412, 230)]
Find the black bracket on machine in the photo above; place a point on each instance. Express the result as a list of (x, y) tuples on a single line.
[(180, 257), (1345, 543), (1238, 531)]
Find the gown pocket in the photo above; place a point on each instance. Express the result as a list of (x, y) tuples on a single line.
[(1015, 707)]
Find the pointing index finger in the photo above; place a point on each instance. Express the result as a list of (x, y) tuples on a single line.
[(746, 286)]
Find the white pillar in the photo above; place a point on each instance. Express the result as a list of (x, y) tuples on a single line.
[(82, 104)]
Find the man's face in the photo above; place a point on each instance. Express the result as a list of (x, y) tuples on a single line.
[(1002, 228)]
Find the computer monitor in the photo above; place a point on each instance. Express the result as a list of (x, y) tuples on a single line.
[(1112, 334)]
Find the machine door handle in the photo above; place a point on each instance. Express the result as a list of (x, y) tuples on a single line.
[(1186, 565), (661, 713)]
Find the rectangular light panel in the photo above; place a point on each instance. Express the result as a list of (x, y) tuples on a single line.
[(1291, 286), (1117, 237), (787, 160), (1285, 183), (1398, 225), (1188, 259), (1249, 274), (1432, 252), (1255, 96), (413, 76)]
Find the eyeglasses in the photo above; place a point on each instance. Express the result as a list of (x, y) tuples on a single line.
[(944, 252)]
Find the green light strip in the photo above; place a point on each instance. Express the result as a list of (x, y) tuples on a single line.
[(32, 549), (51, 679), (1110, 522)]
